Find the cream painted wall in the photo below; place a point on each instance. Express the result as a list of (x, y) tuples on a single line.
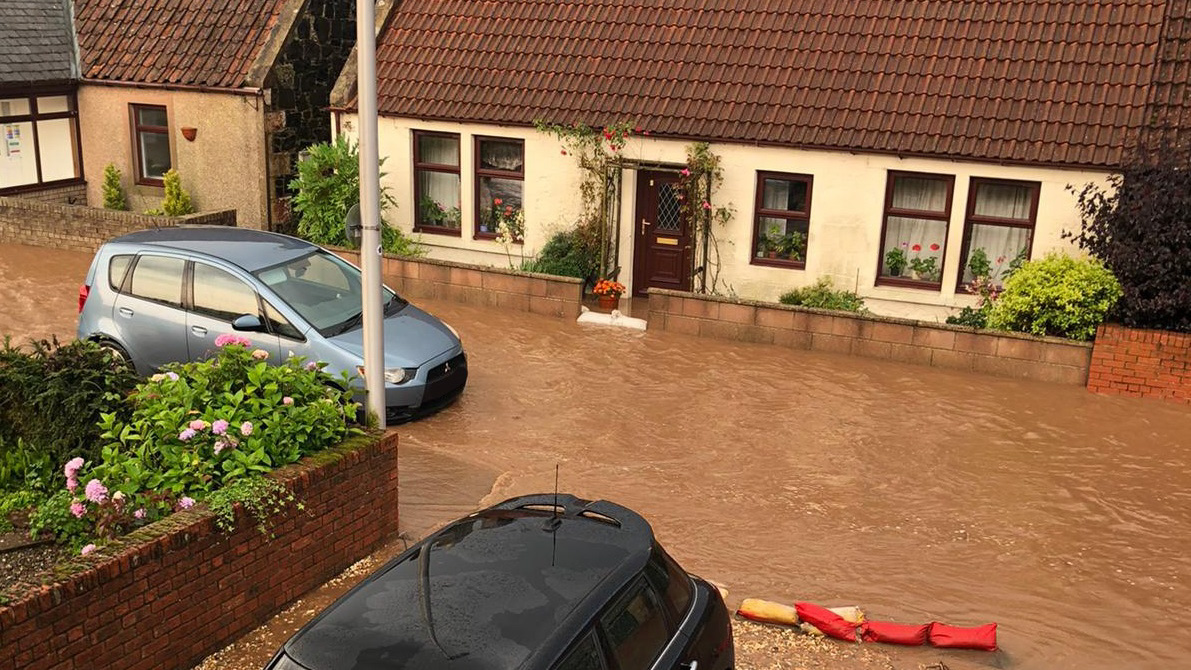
[(847, 208), (223, 168)]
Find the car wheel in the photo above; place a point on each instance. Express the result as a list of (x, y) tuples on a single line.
[(120, 358)]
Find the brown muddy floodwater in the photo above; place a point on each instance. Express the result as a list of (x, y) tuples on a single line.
[(39, 292), (916, 493)]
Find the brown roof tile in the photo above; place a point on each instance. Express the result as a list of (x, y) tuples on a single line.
[(1032, 81), (182, 42)]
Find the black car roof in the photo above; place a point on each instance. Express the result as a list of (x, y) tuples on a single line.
[(249, 249), (507, 587)]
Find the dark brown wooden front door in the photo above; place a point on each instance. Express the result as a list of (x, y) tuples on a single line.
[(662, 238)]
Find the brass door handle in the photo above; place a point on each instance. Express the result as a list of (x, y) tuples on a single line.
[(643, 224)]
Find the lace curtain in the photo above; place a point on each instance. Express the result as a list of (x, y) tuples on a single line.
[(907, 232), (1000, 243), (439, 204)]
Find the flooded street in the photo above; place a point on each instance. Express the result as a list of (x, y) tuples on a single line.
[(916, 493)]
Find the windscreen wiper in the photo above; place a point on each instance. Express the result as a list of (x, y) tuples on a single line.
[(349, 324)]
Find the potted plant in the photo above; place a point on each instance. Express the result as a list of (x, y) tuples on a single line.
[(609, 293), (924, 269), (895, 260), (791, 246), (771, 241)]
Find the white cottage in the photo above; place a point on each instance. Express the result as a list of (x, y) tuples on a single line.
[(883, 144)]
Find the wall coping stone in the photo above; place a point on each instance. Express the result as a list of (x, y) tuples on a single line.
[(465, 266), (872, 318)]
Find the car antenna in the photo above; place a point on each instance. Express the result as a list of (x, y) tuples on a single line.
[(554, 521), (556, 488)]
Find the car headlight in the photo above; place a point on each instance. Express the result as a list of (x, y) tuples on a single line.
[(393, 375)]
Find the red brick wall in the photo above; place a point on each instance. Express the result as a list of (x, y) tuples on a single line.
[(1141, 363), (175, 591)]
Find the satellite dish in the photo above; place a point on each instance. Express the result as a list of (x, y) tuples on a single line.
[(352, 226)]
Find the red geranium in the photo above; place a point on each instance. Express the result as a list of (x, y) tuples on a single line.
[(934, 247), (916, 247)]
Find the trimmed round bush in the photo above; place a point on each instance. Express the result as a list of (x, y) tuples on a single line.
[(1056, 295)]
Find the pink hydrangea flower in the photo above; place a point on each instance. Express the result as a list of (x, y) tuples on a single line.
[(72, 484), (172, 375), (139, 513), (88, 549), (73, 466), (287, 400), (227, 338), (260, 354), (220, 445), (186, 502), (312, 366), (198, 424), (187, 434), (78, 509), (219, 427), (96, 491), (246, 428)]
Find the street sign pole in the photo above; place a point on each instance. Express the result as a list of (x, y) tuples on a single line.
[(370, 257)]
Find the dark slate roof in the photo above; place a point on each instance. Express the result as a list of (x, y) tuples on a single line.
[(180, 42), (36, 42), (1063, 82)]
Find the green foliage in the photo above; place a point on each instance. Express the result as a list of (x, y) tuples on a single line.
[(113, 191), (53, 518), (177, 200), (194, 428), (1056, 295), (927, 268), (327, 185), (51, 399), (17, 501), (823, 295), (570, 253), (895, 261), (262, 498), (973, 317), (978, 263)]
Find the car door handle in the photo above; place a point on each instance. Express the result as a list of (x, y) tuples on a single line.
[(199, 330), (124, 311)]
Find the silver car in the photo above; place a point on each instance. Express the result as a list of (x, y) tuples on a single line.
[(157, 296)]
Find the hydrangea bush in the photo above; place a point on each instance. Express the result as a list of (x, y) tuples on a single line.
[(192, 429)]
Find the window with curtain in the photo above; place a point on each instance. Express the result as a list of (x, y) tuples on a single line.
[(500, 176), (151, 143), (914, 234), (39, 140), (436, 183), (999, 228), (781, 229)]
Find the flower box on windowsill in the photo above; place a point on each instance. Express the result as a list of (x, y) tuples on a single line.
[(909, 282), (779, 263), (439, 230)]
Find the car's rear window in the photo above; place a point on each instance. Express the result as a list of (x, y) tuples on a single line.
[(670, 580), (117, 268)]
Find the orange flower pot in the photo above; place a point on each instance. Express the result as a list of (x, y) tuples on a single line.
[(609, 302)]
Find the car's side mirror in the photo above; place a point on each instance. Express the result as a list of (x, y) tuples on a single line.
[(248, 322)]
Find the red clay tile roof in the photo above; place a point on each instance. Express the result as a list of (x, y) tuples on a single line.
[(187, 42), (1061, 82)]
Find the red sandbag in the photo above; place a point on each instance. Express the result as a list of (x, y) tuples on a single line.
[(830, 623), (954, 637), (894, 633)]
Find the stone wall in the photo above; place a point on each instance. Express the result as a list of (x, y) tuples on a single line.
[(43, 224), (998, 353), (1141, 363), (479, 285), (177, 590), (301, 80)]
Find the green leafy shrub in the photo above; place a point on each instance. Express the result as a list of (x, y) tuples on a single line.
[(196, 427), (327, 185), (1056, 295), (113, 191), (177, 200), (569, 253), (51, 399), (823, 295)]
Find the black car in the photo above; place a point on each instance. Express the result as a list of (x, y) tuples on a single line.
[(537, 582)]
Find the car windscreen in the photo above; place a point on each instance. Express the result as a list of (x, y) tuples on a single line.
[(325, 290)]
